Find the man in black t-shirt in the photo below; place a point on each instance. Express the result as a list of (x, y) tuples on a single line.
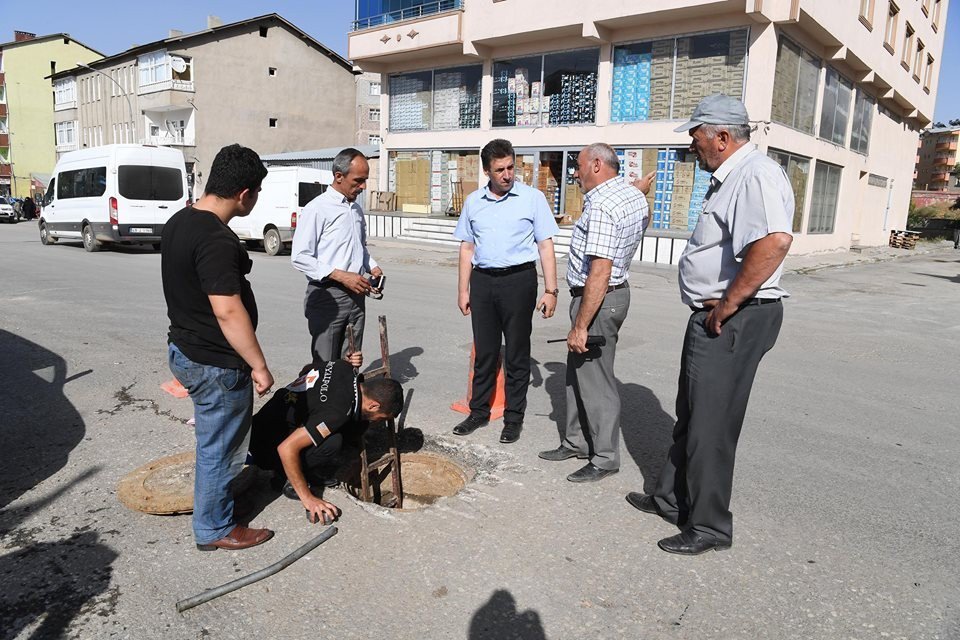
[(301, 429), (213, 347)]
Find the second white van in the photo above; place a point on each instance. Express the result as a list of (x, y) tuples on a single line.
[(116, 193), (283, 195)]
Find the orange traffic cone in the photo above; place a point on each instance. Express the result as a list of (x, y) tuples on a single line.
[(499, 396), (174, 388)]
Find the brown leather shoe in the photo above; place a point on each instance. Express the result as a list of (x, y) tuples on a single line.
[(240, 538)]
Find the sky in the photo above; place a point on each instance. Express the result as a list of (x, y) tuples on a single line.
[(110, 26)]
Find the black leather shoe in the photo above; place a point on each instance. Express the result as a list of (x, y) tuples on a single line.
[(561, 453), (690, 543), (511, 432), (469, 425), (643, 502), (590, 473)]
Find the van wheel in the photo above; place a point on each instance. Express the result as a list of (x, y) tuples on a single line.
[(45, 237), (271, 242), (90, 242)]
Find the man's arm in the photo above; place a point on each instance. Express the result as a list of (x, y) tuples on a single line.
[(548, 262), (237, 328), (593, 293), (463, 276), (304, 251), (289, 451), (762, 258)]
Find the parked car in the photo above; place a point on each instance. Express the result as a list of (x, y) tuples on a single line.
[(7, 213)]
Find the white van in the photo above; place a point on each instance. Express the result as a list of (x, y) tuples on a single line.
[(283, 195), (121, 193)]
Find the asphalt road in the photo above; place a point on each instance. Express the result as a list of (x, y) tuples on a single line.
[(845, 496)]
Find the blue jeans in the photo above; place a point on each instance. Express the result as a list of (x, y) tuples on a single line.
[(223, 408)]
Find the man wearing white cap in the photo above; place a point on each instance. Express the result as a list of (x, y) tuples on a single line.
[(730, 278)]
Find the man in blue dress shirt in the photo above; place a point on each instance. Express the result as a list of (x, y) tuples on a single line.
[(504, 227)]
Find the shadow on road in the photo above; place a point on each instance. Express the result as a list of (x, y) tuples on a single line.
[(499, 619), (955, 279), (402, 368)]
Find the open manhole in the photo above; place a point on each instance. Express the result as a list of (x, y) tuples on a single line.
[(427, 477)]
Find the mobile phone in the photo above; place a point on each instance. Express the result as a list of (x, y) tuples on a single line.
[(377, 282)]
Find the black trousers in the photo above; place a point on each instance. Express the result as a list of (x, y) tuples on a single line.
[(270, 428), (716, 376), (502, 306)]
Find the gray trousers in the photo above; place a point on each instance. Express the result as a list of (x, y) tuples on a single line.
[(716, 376), (329, 309), (593, 402)]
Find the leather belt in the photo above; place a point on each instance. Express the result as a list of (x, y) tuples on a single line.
[(576, 292), (505, 271), (750, 302)]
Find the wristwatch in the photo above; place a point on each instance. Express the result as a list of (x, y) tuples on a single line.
[(552, 292)]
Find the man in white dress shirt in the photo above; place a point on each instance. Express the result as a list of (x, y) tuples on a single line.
[(330, 249)]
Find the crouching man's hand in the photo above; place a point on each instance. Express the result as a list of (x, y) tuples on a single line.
[(319, 510)]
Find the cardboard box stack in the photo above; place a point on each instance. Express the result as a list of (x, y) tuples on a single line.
[(413, 178), (547, 185), (701, 183), (683, 176), (576, 102), (409, 103), (663, 197), (631, 86), (708, 64), (649, 163), (661, 79), (468, 168)]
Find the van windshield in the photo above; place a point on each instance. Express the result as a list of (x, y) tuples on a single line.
[(144, 182), (309, 191)]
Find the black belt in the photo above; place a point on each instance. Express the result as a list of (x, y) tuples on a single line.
[(505, 271), (749, 303), (576, 292)]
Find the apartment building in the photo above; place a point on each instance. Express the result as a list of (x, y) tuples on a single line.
[(838, 91), (262, 82), (937, 159), (368, 109), (26, 147)]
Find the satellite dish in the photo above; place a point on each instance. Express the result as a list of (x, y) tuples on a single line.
[(178, 64)]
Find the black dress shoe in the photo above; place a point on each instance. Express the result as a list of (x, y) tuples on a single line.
[(561, 453), (469, 425), (643, 502), (590, 473), (690, 543), (511, 432)]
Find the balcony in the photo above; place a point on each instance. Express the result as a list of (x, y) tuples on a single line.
[(166, 85), (67, 146), (4, 170), (4, 140), (168, 140), (946, 146), (3, 110), (944, 161), (941, 176), (432, 29)]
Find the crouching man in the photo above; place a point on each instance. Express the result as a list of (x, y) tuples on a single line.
[(300, 431)]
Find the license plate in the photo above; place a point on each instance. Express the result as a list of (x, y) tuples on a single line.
[(141, 229)]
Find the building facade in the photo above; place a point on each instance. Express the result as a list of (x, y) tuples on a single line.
[(27, 152), (262, 82), (838, 92), (937, 160), (368, 108)]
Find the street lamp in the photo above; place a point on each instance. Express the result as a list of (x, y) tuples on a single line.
[(119, 86)]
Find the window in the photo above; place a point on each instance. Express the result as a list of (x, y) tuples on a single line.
[(66, 133), (440, 99), (553, 89), (274, 122), (907, 47), (146, 182), (373, 139), (374, 88), (309, 191), (918, 61), (866, 13), (797, 169), (795, 83), (374, 115), (925, 7), (935, 21), (271, 71), (154, 68), (835, 112), (410, 101), (928, 73), (890, 31), (82, 183), (862, 122), (823, 203), (65, 92), (263, 32)]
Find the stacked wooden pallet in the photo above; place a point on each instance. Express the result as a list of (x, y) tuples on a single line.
[(903, 239)]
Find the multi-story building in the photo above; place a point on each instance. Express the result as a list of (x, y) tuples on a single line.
[(937, 160), (261, 82), (368, 108), (26, 148), (838, 92)]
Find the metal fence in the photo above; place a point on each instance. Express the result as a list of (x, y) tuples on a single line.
[(425, 9)]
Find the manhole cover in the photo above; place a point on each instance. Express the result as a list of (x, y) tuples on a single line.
[(427, 477), (165, 486)]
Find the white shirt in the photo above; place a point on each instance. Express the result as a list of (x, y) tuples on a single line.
[(331, 234)]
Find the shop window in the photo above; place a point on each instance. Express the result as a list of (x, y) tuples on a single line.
[(433, 181), (553, 89), (797, 169), (823, 203), (835, 112), (795, 83), (456, 97), (862, 121), (665, 79), (410, 101)]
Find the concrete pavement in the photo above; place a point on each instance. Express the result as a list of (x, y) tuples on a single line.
[(845, 493)]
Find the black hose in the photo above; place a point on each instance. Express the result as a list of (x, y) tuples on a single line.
[(266, 572)]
